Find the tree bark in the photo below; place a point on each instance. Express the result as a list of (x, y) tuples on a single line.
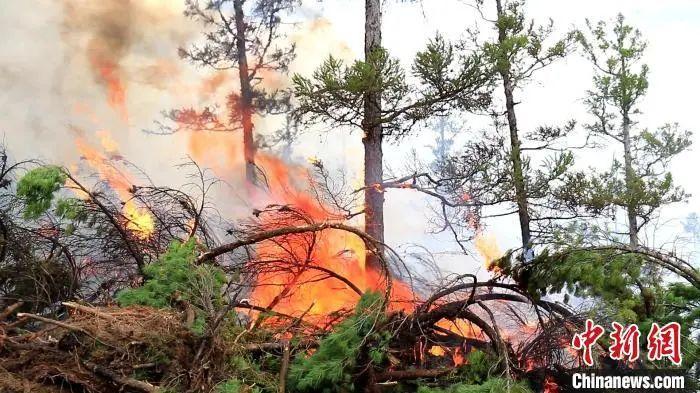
[(372, 138), (629, 181), (515, 154), (246, 102)]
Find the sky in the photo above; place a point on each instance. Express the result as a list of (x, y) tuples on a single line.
[(52, 93)]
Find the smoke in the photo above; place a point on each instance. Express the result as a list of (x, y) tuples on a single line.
[(112, 32), (108, 65), (83, 69)]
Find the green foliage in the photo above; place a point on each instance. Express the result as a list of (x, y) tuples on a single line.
[(522, 46), (616, 53), (623, 288), (70, 209), (335, 93), (607, 276), (478, 367), (493, 385), (680, 303), (641, 184), (37, 188), (330, 368), (258, 372), (175, 274), (234, 386)]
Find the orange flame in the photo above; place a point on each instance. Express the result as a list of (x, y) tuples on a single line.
[(309, 285), (138, 220), (109, 74), (487, 246), (437, 350), (550, 386), (458, 357)]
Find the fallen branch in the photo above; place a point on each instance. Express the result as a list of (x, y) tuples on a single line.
[(57, 323), (10, 309), (89, 310), (118, 379)]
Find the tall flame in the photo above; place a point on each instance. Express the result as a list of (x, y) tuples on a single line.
[(313, 290)]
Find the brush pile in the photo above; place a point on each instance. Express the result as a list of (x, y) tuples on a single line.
[(95, 350)]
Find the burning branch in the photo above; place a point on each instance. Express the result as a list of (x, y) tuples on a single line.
[(371, 244)]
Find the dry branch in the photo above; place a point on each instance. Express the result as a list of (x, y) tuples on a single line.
[(89, 310), (57, 323), (284, 369), (10, 309), (118, 379)]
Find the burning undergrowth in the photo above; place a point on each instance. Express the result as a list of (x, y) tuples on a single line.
[(288, 291)]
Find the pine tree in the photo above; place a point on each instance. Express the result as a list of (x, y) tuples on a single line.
[(376, 96), (497, 169), (247, 37), (640, 183)]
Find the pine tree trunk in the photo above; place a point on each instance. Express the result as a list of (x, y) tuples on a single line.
[(629, 181), (515, 154), (372, 136), (246, 106)]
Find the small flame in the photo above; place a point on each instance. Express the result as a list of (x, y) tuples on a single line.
[(437, 350), (139, 220), (487, 246), (109, 75), (108, 144), (458, 357), (550, 386)]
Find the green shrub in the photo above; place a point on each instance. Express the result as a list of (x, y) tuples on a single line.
[(330, 368), (175, 274), (234, 385), (493, 385), (479, 367), (37, 188)]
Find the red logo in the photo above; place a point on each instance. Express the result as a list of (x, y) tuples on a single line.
[(625, 342), (662, 342), (665, 342), (586, 339)]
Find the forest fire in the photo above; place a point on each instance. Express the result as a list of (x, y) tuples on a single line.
[(442, 238), (487, 246), (325, 272), (138, 220)]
